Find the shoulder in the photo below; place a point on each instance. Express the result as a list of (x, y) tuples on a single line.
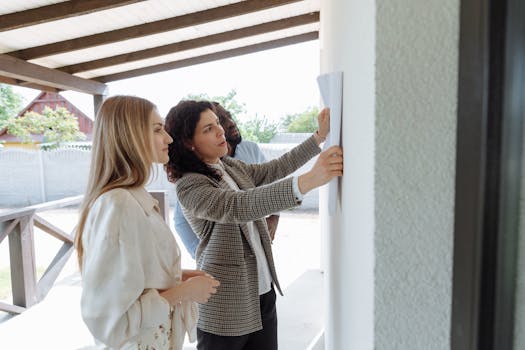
[(249, 145), (117, 196), (190, 180), (118, 200), (249, 152)]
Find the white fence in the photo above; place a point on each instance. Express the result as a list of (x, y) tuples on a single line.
[(31, 177)]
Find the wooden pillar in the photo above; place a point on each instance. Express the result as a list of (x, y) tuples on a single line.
[(164, 206), (97, 102), (23, 270)]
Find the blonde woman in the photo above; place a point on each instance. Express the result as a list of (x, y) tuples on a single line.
[(134, 293)]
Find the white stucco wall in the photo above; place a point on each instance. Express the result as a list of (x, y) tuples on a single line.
[(347, 44), (394, 231)]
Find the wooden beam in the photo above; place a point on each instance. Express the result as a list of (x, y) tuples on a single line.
[(54, 231), (53, 271), (164, 206), (57, 11), (188, 20), (194, 43), (22, 262), (210, 57), (8, 229), (26, 84), (15, 68), (12, 309)]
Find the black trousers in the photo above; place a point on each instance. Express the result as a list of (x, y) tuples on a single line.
[(265, 339)]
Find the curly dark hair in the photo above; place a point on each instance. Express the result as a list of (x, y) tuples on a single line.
[(180, 123)]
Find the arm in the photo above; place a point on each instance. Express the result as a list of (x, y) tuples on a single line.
[(115, 304), (184, 230), (276, 169), (295, 158), (203, 198)]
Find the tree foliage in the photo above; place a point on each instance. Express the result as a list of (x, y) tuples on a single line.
[(57, 126), (256, 129), (10, 103), (301, 122)]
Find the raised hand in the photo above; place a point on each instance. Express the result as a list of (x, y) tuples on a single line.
[(329, 164)]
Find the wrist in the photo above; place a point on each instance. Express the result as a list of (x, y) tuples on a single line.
[(304, 183), (319, 137)]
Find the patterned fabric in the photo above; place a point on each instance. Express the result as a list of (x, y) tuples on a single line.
[(218, 214), (159, 339)]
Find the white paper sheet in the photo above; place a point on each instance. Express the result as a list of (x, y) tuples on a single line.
[(331, 88)]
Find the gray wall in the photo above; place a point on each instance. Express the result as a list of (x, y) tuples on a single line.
[(31, 177), (390, 250), (416, 77)]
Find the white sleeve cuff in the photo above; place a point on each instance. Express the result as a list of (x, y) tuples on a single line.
[(295, 185), (155, 309)]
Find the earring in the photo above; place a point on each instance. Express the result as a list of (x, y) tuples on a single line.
[(192, 148)]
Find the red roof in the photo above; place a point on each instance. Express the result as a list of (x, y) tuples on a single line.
[(53, 100)]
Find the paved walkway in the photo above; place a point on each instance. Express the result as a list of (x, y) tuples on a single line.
[(55, 323)]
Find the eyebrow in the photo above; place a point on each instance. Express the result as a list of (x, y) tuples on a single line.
[(212, 123)]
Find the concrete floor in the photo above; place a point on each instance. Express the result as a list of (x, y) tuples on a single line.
[(55, 323)]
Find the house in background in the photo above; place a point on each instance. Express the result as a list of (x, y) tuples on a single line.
[(52, 100)]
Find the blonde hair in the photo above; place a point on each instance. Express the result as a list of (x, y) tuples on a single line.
[(122, 152)]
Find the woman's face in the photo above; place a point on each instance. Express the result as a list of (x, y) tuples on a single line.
[(209, 141), (161, 139)]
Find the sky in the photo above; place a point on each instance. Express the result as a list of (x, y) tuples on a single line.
[(271, 83)]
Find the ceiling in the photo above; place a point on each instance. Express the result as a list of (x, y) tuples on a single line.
[(81, 45)]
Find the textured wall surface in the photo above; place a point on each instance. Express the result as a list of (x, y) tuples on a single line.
[(416, 81)]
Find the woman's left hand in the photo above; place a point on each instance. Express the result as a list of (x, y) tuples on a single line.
[(192, 273)]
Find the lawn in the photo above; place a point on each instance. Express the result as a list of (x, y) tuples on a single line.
[(5, 281)]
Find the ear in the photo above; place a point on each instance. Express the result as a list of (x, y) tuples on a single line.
[(189, 145)]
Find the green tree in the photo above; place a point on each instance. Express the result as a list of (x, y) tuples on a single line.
[(57, 126), (229, 102), (301, 122), (10, 103), (256, 129)]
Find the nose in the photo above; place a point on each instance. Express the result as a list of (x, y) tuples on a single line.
[(168, 138)]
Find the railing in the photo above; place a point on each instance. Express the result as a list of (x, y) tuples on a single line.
[(18, 225)]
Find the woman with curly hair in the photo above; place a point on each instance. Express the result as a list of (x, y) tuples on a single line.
[(225, 201)]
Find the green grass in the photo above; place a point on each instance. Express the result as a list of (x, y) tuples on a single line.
[(5, 281)]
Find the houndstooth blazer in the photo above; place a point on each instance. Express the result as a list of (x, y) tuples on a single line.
[(218, 214)]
